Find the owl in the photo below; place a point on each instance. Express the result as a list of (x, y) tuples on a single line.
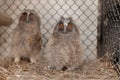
[(26, 41), (63, 50)]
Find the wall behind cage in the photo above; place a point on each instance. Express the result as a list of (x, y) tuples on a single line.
[(84, 12)]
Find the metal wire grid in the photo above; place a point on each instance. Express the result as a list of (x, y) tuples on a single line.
[(112, 31), (84, 12)]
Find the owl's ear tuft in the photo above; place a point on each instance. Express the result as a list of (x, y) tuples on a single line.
[(62, 18), (71, 19)]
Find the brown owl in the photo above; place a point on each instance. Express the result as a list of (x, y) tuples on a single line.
[(26, 41), (63, 50)]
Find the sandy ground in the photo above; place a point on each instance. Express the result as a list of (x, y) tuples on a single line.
[(91, 70)]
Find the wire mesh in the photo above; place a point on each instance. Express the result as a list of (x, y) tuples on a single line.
[(84, 12), (112, 32)]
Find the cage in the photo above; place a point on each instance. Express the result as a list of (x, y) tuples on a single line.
[(98, 35)]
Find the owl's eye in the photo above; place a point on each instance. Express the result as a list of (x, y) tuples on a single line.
[(70, 27), (24, 13), (61, 26), (23, 16), (31, 17), (31, 14)]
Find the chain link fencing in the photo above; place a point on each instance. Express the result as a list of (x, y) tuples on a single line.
[(111, 31)]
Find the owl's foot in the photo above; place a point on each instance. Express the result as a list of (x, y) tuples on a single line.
[(32, 60), (17, 60), (51, 68), (64, 68)]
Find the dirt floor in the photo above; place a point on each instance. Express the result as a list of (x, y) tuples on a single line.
[(91, 70)]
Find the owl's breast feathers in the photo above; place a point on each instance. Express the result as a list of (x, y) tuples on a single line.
[(28, 36)]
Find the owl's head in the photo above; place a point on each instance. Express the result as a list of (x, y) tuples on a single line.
[(65, 25), (29, 16)]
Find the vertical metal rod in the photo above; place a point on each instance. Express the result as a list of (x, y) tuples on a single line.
[(100, 40)]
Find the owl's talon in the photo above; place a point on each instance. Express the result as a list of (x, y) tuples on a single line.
[(33, 60), (17, 60)]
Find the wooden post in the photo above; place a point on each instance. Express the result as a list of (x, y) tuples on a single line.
[(100, 29), (5, 20)]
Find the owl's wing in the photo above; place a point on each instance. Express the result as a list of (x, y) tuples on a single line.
[(76, 28), (37, 40), (55, 32), (16, 37)]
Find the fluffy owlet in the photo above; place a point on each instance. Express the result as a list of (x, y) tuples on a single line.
[(26, 41), (63, 50)]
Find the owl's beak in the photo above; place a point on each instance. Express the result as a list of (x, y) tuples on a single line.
[(65, 27), (27, 20)]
